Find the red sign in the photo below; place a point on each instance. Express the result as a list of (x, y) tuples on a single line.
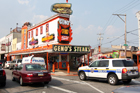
[(64, 31)]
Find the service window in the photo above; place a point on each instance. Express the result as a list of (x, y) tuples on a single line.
[(103, 63), (94, 64)]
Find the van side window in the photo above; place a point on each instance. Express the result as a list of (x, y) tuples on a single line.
[(103, 63), (94, 64)]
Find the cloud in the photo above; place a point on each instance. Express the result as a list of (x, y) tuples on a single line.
[(38, 18), (110, 30), (23, 1), (90, 28)]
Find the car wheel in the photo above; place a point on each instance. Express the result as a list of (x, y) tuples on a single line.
[(127, 81), (3, 84), (112, 79), (82, 76), (21, 81)]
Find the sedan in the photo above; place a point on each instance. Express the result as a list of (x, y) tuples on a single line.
[(2, 77), (31, 73), (128, 89)]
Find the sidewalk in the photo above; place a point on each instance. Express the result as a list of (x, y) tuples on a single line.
[(64, 73)]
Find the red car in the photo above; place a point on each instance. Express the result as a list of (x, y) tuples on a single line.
[(31, 73)]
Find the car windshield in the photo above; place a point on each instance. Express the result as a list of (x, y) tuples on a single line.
[(34, 67), (123, 63)]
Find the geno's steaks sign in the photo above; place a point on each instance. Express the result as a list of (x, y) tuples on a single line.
[(69, 48)]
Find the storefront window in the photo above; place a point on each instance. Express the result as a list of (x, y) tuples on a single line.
[(36, 32), (47, 27)]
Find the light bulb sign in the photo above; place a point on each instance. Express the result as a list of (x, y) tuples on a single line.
[(70, 48), (62, 8)]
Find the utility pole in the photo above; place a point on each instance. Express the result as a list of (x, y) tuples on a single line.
[(100, 38), (125, 29)]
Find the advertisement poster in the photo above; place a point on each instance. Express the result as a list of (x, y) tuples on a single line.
[(115, 54)]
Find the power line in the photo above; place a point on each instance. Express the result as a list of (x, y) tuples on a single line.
[(125, 6)]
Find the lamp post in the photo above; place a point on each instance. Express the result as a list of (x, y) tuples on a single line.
[(125, 28)]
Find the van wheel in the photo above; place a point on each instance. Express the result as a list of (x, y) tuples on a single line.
[(112, 79), (127, 81), (82, 76)]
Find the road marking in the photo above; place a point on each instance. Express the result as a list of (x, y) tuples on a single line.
[(135, 81), (62, 89), (79, 82)]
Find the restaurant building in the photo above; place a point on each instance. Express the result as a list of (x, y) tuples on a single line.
[(50, 39)]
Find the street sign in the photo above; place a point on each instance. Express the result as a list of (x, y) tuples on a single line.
[(125, 45)]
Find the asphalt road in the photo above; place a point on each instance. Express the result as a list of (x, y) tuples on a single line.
[(62, 84)]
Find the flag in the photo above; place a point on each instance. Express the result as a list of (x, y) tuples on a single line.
[(66, 1)]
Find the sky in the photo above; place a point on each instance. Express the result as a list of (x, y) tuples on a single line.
[(89, 18)]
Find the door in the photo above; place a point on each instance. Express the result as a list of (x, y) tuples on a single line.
[(93, 69), (103, 68)]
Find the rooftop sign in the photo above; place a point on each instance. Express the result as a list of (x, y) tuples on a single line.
[(62, 8)]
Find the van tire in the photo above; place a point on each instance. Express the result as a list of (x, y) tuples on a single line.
[(82, 76)]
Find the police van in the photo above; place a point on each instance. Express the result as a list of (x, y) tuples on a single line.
[(32, 59), (113, 70)]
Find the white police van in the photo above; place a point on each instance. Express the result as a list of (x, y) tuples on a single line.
[(32, 59), (113, 70)]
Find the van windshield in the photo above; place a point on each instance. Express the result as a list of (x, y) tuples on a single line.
[(123, 63), (19, 61)]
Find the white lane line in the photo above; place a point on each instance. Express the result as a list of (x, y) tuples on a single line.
[(135, 81), (79, 82), (62, 89)]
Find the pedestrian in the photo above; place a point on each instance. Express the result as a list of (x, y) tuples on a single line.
[(51, 63)]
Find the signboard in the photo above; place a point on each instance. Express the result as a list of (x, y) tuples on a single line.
[(69, 48), (62, 8), (33, 41), (64, 31), (2, 47), (115, 54), (48, 37)]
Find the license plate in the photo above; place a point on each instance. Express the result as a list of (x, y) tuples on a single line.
[(40, 74)]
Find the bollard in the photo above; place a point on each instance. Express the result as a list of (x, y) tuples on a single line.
[(68, 69), (53, 67)]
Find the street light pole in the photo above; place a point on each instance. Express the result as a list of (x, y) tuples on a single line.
[(125, 28)]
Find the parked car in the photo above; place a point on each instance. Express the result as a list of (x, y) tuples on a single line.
[(7, 63), (2, 77), (15, 63), (112, 70), (127, 89), (31, 73), (2, 62)]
